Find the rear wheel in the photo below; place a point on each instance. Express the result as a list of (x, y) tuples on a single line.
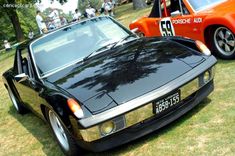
[(224, 43), (65, 140), (16, 103)]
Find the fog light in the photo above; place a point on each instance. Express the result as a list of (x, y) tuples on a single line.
[(206, 76), (107, 128)]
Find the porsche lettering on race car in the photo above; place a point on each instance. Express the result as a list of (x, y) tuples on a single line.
[(181, 21), (166, 27)]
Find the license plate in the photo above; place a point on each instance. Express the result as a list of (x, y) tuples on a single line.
[(166, 102)]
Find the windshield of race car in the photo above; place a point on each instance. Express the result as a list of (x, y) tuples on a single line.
[(71, 44), (201, 4)]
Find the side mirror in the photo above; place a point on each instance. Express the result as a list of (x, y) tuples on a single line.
[(21, 77), (175, 13)]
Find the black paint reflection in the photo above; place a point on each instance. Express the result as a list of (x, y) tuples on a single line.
[(127, 65), (126, 72)]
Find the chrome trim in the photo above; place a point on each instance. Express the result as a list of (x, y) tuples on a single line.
[(140, 114), (90, 134), (144, 99)]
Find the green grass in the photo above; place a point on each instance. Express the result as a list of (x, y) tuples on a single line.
[(209, 129), (6, 54)]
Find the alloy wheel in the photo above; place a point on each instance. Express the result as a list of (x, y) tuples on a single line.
[(224, 41), (58, 130)]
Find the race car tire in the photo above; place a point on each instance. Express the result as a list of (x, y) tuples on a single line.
[(223, 42)]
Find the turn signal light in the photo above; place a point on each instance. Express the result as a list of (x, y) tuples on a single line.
[(203, 48), (75, 108)]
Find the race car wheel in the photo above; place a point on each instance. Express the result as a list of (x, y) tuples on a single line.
[(65, 140), (16, 103), (224, 43)]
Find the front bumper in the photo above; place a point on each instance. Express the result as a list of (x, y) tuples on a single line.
[(137, 117), (149, 125)]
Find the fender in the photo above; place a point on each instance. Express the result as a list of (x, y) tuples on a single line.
[(141, 25), (227, 22)]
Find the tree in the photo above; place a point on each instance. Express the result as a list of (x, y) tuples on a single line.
[(139, 4), (27, 23), (9, 8)]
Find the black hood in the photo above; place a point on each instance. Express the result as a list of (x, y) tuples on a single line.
[(126, 72)]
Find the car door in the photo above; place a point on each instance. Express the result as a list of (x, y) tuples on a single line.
[(25, 81), (180, 22)]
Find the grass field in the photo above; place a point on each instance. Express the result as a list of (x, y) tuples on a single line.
[(209, 129)]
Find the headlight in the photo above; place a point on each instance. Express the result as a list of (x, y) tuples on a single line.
[(107, 128), (203, 48), (207, 76)]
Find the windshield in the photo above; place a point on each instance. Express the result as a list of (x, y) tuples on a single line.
[(69, 45), (201, 4)]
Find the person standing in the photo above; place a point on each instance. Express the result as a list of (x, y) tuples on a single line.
[(56, 18), (31, 34), (77, 15), (90, 11), (108, 7), (7, 45), (63, 21), (41, 24)]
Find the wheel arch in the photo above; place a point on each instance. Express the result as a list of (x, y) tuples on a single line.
[(141, 24), (58, 103), (208, 32), (8, 83)]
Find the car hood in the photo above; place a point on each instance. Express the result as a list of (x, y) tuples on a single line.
[(130, 70), (223, 8)]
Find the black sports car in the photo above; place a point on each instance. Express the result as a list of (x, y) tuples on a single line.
[(98, 85)]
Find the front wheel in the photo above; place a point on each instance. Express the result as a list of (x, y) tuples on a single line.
[(224, 43), (65, 140)]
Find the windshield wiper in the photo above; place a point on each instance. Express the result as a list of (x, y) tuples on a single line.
[(123, 39), (99, 49), (108, 45)]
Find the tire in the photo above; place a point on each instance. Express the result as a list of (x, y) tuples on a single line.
[(223, 43), (16, 103), (65, 140)]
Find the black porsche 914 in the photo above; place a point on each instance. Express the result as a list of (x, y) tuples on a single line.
[(99, 85)]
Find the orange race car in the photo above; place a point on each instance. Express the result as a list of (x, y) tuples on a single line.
[(210, 21)]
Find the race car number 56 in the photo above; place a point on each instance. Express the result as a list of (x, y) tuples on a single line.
[(166, 27)]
